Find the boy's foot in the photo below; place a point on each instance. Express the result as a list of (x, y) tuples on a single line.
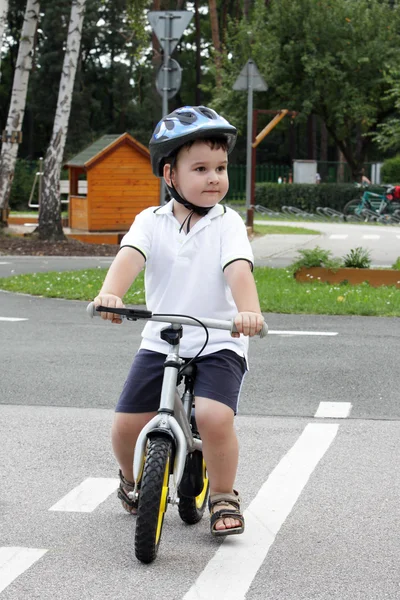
[(226, 516), (126, 495)]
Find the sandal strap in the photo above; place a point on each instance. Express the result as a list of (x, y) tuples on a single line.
[(125, 481), (233, 499)]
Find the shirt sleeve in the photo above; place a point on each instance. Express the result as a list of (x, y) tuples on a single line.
[(235, 243), (140, 234)]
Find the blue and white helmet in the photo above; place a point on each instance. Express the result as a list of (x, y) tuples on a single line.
[(183, 125)]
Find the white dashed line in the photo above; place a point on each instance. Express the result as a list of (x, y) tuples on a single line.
[(338, 236), (87, 496), (240, 560), (371, 236), (333, 410), (13, 319), (14, 561), (283, 332)]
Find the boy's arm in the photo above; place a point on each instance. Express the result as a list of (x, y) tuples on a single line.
[(124, 269), (249, 320)]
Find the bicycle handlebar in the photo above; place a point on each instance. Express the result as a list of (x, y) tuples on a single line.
[(132, 314)]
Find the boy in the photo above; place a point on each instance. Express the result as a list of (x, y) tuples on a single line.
[(198, 262)]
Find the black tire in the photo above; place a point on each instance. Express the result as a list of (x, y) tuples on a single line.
[(153, 498), (191, 510), (350, 208)]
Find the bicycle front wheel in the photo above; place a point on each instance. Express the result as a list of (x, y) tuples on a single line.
[(153, 498), (350, 210)]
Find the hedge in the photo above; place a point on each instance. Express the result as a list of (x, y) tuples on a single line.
[(307, 196), (391, 170)]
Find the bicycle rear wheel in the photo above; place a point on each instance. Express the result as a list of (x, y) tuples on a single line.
[(191, 510), (350, 210), (153, 498)]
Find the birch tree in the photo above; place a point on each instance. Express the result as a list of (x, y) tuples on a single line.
[(3, 19), (9, 149), (50, 226)]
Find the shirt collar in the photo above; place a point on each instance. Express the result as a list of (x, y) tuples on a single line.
[(216, 210)]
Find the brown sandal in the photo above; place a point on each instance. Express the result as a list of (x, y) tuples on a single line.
[(230, 508), (126, 495)]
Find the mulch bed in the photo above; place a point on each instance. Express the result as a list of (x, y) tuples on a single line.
[(29, 246)]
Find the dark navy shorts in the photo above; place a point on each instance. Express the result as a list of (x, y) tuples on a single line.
[(219, 377)]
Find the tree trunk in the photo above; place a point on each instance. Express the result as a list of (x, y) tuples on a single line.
[(198, 52), (3, 19), (216, 40), (50, 226), (9, 149)]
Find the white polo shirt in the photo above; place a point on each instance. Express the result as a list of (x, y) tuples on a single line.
[(184, 273)]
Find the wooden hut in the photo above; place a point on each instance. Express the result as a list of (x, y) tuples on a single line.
[(120, 184)]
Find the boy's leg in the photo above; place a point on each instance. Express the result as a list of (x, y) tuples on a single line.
[(125, 431), (220, 449)]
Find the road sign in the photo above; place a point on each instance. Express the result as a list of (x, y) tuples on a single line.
[(243, 81), (174, 79), (178, 19)]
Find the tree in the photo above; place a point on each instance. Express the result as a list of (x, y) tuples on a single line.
[(9, 149), (321, 57), (50, 227), (3, 19), (388, 133)]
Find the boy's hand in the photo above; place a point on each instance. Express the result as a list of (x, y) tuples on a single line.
[(110, 301), (248, 323)]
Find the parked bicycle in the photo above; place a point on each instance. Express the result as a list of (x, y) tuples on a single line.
[(375, 207), (168, 463)]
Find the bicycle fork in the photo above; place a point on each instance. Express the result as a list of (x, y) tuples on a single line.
[(171, 419)]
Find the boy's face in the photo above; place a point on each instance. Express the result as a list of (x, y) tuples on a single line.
[(200, 174)]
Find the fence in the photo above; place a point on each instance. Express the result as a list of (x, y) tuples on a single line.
[(330, 172)]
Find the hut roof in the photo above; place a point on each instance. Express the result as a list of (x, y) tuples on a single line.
[(96, 151)]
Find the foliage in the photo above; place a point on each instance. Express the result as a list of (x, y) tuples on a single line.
[(396, 265), (306, 196), (388, 133), (316, 257), (307, 50), (390, 171), (357, 258), (24, 176)]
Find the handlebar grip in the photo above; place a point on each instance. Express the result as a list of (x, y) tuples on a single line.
[(262, 333), (91, 310)]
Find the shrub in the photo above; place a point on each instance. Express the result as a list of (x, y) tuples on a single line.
[(357, 258), (390, 171), (307, 196), (316, 257), (396, 265)]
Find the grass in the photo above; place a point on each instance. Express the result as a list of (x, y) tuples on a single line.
[(278, 292), (283, 229)]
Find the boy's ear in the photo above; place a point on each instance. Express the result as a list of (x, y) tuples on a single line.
[(167, 174)]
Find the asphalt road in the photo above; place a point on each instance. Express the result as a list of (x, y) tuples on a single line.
[(321, 494)]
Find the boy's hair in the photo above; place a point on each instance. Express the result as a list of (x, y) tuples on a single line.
[(215, 143)]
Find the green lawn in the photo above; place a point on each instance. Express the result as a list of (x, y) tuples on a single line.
[(277, 288)]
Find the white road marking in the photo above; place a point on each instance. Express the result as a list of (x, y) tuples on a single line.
[(239, 558), (13, 319), (5, 263), (283, 332), (338, 236), (333, 410), (14, 561), (398, 237), (87, 496), (371, 236)]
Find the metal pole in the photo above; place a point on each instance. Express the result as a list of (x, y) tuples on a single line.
[(40, 180), (249, 217), (167, 39)]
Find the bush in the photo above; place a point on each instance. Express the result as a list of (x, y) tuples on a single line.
[(396, 265), (316, 257), (307, 196), (390, 171), (357, 258)]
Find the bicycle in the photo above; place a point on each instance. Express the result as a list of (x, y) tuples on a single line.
[(374, 207), (169, 446)]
